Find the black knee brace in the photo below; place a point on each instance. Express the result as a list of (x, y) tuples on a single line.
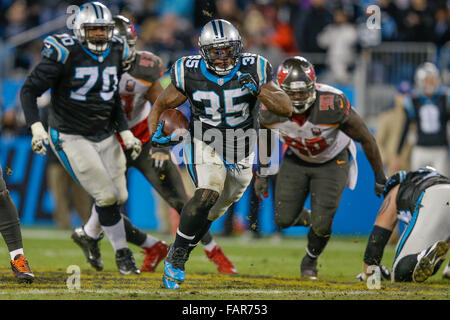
[(200, 204), (109, 215)]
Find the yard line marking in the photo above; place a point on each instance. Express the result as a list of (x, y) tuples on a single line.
[(246, 291)]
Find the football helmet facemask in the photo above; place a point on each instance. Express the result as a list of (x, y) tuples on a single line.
[(296, 76), (220, 46), (93, 27), (125, 30)]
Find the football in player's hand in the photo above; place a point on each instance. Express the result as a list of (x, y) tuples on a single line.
[(174, 122)]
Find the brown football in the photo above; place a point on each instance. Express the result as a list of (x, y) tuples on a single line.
[(174, 122)]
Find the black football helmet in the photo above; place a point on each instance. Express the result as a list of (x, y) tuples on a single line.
[(296, 76), (124, 29)]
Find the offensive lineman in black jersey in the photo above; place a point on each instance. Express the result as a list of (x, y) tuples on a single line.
[(83, 72), (421, 199), (223, 87)]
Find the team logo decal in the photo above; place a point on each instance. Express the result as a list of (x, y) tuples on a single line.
[(129, 86), (316, 131)]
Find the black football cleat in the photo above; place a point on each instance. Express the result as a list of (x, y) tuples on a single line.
[(125, 262), (90, 247), (308, 268), (426, 264)]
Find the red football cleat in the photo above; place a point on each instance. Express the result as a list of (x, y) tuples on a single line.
[(224, 265), (154, 255)]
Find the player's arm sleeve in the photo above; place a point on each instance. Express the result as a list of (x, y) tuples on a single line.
[(43, 77), (118, 115), (264, 70), (177, 75)]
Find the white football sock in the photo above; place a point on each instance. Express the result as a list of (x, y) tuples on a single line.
[(116, 235), (14, 253), (208, 247), (92, 226), (149, 242)]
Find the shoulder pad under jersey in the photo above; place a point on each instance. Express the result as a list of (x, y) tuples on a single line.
[(57, 47)]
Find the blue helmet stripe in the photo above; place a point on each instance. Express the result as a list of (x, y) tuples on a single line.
[(214, 28), (101, 10), (221, 29), (95, 9)]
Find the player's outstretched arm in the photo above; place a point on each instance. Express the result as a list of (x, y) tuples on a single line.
[(275, 99), (43, 76), (381, 232), (153, 92), (170, 98), (356, 129)]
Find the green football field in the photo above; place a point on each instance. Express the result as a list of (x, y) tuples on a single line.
[(267, 270)]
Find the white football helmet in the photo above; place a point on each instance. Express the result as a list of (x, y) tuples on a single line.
[(94, 14), (427, 78), (219, 40)]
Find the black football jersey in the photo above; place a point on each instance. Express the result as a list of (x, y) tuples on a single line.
[(414, 185), (431, 115), (219, 107), (84, 87)]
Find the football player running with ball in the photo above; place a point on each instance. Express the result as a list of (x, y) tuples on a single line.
[(139, 86), (321, 156), (83, 72), (223, 86)]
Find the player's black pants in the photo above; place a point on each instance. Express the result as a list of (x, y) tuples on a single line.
[(9, 218), (325, 182), (167, 182)]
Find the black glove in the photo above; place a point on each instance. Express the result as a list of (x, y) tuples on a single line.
[(247, 82), (380, 181), (261, 186)]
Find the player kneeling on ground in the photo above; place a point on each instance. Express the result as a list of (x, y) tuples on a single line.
[(421, 199)]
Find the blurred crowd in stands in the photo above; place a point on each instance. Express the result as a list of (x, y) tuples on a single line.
[(274, 28)]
